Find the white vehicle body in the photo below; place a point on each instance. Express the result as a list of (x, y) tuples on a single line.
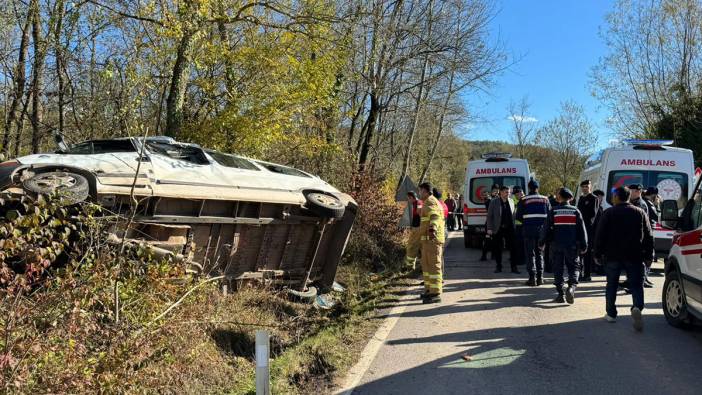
[(682, 292), (481, 175), (648, 163), (196, 178)]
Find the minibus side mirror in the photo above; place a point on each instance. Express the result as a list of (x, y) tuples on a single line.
[(669, 211)]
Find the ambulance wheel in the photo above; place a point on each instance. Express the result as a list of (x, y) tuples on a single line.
[(674, 304)]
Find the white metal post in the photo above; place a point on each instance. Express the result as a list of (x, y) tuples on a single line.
[(263, 382)]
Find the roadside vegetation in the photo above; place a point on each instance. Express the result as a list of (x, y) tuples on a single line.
[(80, 314)]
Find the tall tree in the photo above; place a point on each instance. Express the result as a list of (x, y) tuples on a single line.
[(571, 137)]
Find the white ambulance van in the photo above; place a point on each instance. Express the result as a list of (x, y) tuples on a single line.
[(481, 175), (649, 163), (682, 290)]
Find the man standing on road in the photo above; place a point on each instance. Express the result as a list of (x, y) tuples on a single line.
[(532, 211), (487, 240), (414, 241), (437, 194), (548, 268), (596, 265), (638, 201), (518, 257), (565, 231), (450, 203), (624, 240), (459, 211), (431, 231), (500, 227), (588, 205), (650, 197)]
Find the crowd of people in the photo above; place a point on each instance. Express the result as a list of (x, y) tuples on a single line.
[(572, 239)]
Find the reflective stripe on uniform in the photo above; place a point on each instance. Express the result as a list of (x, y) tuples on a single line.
[(535, 216), (425, 219), (433, 275), (564, 219)]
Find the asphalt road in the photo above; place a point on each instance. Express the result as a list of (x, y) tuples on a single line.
[(518, 341)]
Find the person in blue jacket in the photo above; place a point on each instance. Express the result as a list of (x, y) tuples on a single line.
[(531, 213), (566, 233)]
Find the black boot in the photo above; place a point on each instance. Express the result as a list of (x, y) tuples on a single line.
[(432, 298), (570, 294), (539, 280), (531, 281), (559, 298)]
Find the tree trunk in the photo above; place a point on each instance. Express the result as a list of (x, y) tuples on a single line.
[(435, 145), (418, 103), (58, 50), (179, 80), (373, 113), (37, 78), (20, 82)]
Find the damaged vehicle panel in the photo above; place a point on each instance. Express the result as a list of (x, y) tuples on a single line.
[(226, 214)]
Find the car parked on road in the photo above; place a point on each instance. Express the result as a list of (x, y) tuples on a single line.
[(230, 215), (682, 290)]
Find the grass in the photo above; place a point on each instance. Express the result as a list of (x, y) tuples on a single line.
[(65, 340)]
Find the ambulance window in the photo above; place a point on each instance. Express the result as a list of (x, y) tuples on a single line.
[(478, 186), (671, 186), (484, 184), (624, 178)]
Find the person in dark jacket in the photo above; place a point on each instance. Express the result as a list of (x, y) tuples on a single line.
[(638, 201), (450, 203), (596, 265), (649, 197), (518, 257), (487, 241), (565, 231), (500, 226), (548, 268), (625, 242), (588, 204), (459, 211), (532, 211)]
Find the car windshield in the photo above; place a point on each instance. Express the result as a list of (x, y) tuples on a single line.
[(100, 147), (184, 152), (289, 171), (480, 185), (671, 186), (232, 161)]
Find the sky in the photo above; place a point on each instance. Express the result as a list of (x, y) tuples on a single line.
[(556, 44)]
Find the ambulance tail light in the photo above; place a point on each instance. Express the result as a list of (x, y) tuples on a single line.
[(649, 144), (496, 156), (465, 208)]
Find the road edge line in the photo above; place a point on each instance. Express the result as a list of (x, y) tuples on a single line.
[(370, 351)]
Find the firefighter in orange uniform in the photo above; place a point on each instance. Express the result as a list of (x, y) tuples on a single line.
[(431, 229)]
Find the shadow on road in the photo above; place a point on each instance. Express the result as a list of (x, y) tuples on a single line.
[(591, 356)]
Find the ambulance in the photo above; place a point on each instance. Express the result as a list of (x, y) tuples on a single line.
[(651, 163), (494, 168)]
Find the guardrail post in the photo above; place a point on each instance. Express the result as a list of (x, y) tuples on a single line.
[(263, 382)]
